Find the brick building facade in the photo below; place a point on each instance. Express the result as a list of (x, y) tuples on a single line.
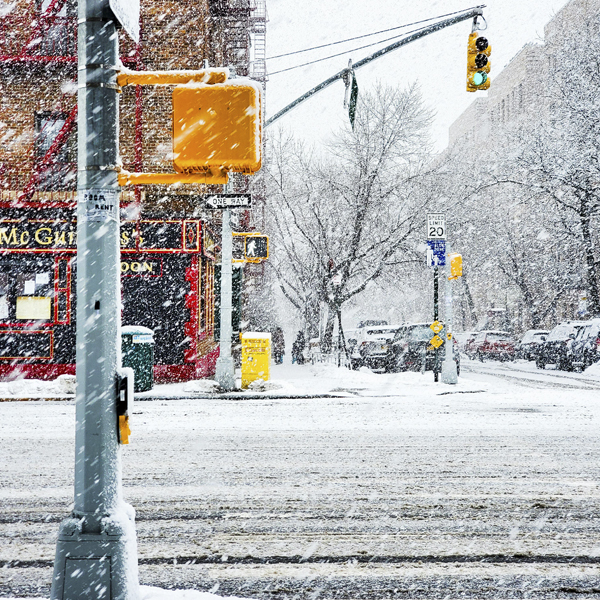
[(169, 246)]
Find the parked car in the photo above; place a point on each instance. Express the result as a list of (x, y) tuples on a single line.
[(469, 345), (411, 349), (586, 346), (557, 349), (463, 338), (372, 347), (528, 347), (371, 323), (494, 345)]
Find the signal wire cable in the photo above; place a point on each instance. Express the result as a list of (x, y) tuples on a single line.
[(358, 37)]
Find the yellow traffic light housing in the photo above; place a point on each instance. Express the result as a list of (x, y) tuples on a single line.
[(479, 51), (217, 127), (455, 266)]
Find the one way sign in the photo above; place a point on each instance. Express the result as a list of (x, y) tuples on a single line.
[(225, 201)]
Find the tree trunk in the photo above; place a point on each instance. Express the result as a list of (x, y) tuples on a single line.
[(328, 335), (590, 266), (312, 318)]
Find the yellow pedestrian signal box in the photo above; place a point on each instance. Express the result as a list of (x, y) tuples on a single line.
[(455, 266), (256, 357), (217, 127), (256, 248), (478, 62)]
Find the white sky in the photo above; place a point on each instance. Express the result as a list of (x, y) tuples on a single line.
[(437, 62)]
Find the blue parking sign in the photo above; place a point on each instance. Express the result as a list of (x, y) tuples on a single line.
[(436, 253)]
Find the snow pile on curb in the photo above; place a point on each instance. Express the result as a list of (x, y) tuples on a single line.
[(32, 388)]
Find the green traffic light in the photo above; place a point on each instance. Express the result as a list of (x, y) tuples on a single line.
[(479, 78)]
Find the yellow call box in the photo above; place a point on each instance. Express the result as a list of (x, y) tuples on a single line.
[(217, 127), (256, 357)]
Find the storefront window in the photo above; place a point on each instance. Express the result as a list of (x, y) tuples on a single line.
[(34, 296)]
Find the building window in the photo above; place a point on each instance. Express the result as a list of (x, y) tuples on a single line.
[(58, 34), (61, 174)]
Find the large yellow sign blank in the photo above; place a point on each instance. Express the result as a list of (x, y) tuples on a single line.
[(33, 308), (217, 128)]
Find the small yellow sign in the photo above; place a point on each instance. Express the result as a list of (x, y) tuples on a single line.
[(436, 341), (449, 336), (436, 326)]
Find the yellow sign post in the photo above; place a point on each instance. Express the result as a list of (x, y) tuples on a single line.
[(436, 327), (436, 341)]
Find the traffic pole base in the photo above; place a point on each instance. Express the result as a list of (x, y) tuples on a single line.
[(449, 374), (96, 566), (225, 373)]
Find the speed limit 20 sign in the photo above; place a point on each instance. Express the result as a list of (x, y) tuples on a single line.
[(436, 226)]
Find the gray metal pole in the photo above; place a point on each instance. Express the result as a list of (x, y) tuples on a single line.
[(96, 554), (225, 372), (449, 371)]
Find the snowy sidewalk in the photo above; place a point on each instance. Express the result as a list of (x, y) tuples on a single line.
[(287, 381)]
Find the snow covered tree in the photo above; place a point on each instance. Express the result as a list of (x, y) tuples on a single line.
[(557, 157), (344, 219)]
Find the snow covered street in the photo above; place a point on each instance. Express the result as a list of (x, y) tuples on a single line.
[(370, 486)]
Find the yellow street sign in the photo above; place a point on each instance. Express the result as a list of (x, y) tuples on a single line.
[(436, 341), (449, 336), (436, 327)]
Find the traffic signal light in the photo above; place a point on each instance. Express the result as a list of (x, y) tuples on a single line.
[(217, 127), (256, 248), (455, 265), (478, 62)]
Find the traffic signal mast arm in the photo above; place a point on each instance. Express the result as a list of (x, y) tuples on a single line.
[(470, 14), (210, 76)]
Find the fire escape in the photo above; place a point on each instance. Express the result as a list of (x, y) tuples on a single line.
[(243, 26), (42, 42), (258, 31)]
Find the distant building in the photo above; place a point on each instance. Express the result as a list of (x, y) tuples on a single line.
[(519, 87)]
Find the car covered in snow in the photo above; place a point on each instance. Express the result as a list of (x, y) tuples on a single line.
[(557, 348), (463, 337), (412, 349), (372, 348), (586, 345), (528, 347), (494, 345), (469, 346)]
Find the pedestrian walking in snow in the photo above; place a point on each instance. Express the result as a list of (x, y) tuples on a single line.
[(298, 349)]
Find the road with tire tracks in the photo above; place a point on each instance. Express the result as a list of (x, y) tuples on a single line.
[(482, 492)]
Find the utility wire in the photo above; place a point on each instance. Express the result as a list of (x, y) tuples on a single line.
[(312, 62), (358, 37)]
